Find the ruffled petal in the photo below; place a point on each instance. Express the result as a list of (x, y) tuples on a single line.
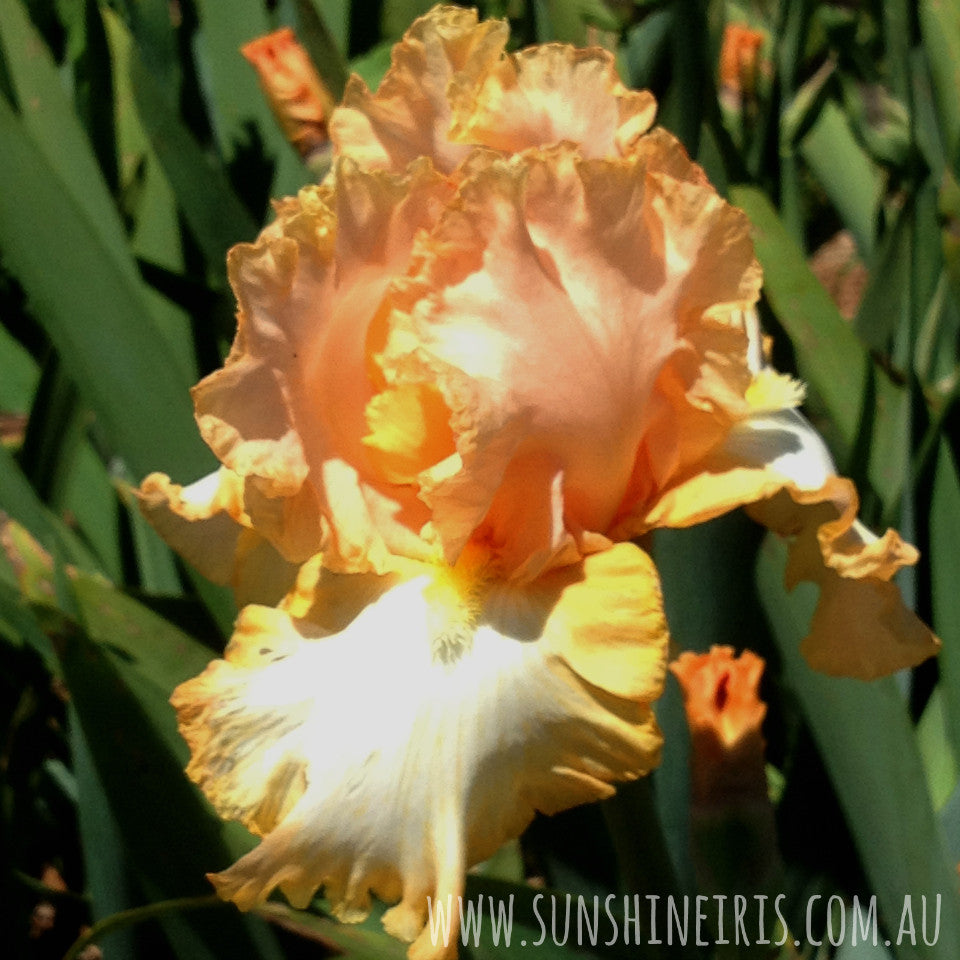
[(615, 271), (388, 757), (409, 116), (861, 627), (287, 411), (778, 466), (603, 648), (548, 94), (753, 460), (206, 523), (450, 87), (245, 411)]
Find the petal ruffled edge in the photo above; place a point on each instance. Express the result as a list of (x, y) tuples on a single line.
[(206, 523), (861, 627), (549, 94), (441, 309), (286, 412), (409, 116), (778, 467)]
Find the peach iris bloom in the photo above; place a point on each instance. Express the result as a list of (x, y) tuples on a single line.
[(385, 733), (518, 317), (511, 331)]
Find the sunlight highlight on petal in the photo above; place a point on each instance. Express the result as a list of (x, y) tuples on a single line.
[(378, 760)]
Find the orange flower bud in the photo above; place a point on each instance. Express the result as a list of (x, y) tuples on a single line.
[(50, 877), (299, 100), (841, 272), (733, 831), (725, 715), (739, 56)]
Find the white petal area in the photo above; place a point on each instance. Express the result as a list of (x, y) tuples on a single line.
[(786, 444), (787, 447), (391, 756), (756, 359), (760, 456)]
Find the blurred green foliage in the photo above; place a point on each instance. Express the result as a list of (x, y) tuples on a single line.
[(136, 148)]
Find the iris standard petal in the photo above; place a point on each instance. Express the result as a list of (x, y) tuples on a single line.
[(549, 94), (286, 413), (410, 115), (625, 280)]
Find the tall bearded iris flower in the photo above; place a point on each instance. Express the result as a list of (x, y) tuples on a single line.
[(511, 332)]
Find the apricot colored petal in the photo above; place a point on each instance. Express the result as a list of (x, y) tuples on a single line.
[(409, 116), (390, 756), (628, 268), (207, 525), (548, 94), (604, 616), (287, 411), (245, 411), (523, 524), (778, 466), (755, 459), (861, 627), (409, 431)]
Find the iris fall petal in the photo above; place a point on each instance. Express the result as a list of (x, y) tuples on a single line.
[(391, 755), (779, 466), (206, 523)]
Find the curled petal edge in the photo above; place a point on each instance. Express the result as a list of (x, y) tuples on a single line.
[(776, 466), (207, 524)]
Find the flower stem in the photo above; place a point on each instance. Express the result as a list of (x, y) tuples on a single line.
[(127, 918)]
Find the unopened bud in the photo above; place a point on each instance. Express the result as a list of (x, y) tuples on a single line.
[(733, 830), (297, 96), (739, 60)]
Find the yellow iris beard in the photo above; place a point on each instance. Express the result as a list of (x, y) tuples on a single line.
[(770, 391), (455, 596)]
